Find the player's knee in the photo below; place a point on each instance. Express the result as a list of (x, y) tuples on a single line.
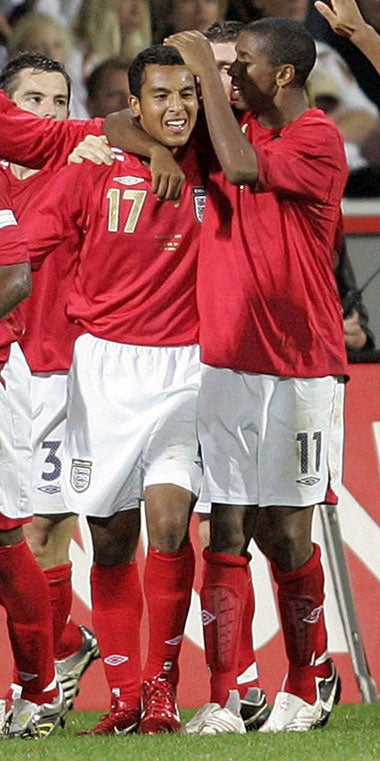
[(168, 533)]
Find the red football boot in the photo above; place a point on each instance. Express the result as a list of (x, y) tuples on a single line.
[(159, 707), (121, 720)]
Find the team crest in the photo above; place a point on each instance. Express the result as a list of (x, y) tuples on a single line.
[(199, 201), (128, 180), (80, 477)]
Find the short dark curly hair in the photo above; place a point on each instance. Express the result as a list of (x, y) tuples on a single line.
[(161, 55)]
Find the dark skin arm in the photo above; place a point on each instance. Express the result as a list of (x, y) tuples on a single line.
[(15, 286), (235, 154), (167, 176)]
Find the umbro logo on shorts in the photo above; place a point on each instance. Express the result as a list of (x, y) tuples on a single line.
[(116, 660), (207, 617), (308, 481), (80, 476), (50, 489)]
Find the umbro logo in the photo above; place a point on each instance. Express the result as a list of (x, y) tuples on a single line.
[(207, 617), (308, 481), (116, 660), (50, 489), (128, 180), (314, 615), (175, 641), (26, 677)]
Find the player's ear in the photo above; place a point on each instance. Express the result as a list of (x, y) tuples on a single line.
[(134, 105)]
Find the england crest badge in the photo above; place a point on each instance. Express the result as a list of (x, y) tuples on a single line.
[(199, 201), (80, 477)]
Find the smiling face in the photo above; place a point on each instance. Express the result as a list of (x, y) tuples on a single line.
[(225, 54), (43, 93), (167, 107)]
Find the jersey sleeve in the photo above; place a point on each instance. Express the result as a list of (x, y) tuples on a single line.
[(59, 212), (13, 248), (31, 141), (307, 161)]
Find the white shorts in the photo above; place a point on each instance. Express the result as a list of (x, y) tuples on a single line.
[(267, 440), (131, 423), (49, 408), (15, 438), (202, 508)]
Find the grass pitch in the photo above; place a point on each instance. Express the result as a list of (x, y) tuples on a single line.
[(353, 734)]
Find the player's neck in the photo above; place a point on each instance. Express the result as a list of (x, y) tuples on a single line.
[(22, 172), (284, 111)]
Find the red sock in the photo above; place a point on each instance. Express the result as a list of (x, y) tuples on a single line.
[(168, 581), (248, 671), (223, 595), (116, 615), (300, 597), (71, 640), (59, 581), (25, 596)]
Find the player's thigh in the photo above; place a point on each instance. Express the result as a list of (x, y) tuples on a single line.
[(49, 407), (228, 424), (296, 440), (15, 436), (49, 537), (171, 453), (106, 427)]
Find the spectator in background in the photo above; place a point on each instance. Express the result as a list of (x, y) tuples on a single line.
[(39, 33), (177, 15), (357, 334), (108, 28), (64, 11), (347, 21), (108, 87), (355, 55)]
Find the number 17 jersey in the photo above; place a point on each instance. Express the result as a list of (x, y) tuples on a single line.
[(137, 261)]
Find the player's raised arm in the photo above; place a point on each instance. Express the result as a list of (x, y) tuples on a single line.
[(28, 140), (236, 156), (346, 20)]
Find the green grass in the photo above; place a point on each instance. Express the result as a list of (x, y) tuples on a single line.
[(353, 734)]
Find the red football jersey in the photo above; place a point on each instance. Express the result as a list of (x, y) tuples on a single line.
[(49, 336), (13, 250), (268, 299), (135, 281), (30, 141)]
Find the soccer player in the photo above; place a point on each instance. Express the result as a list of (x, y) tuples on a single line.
[(254, 709), (270, 408), (23, 588), (42, 87), (133, 389)]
